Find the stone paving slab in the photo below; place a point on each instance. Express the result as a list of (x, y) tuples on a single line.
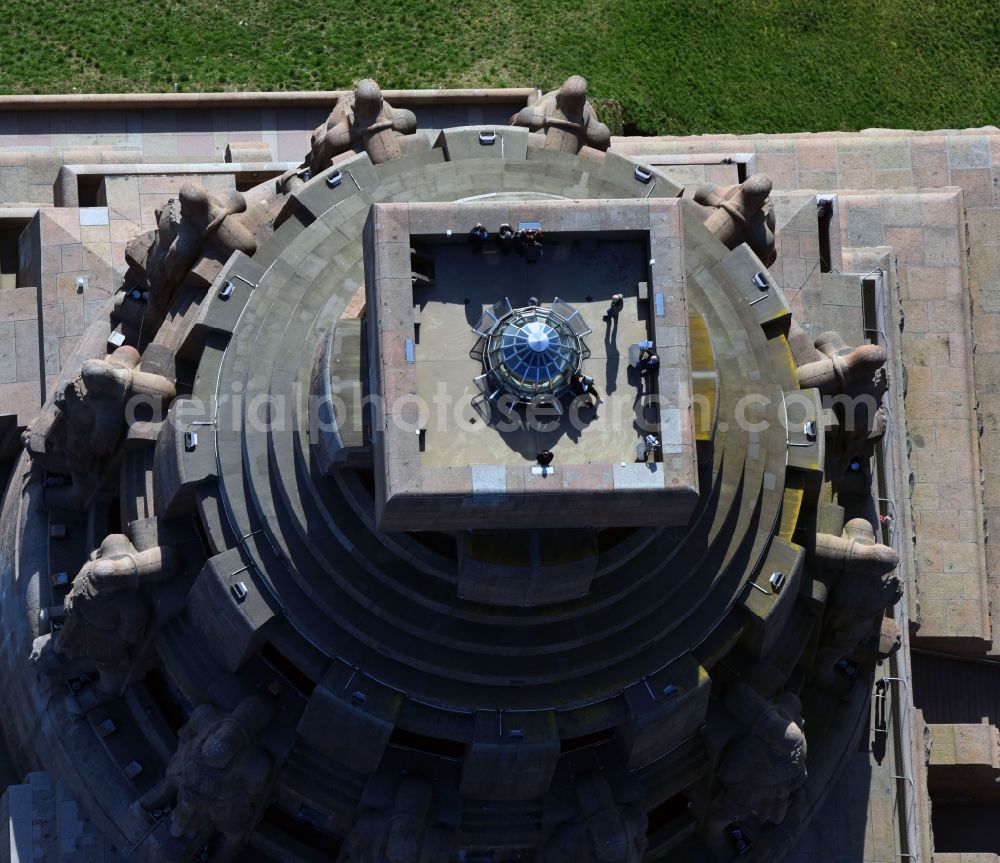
[(35, 144), (947, 249), (445, 329), (924, 231), (44, 824), (973, 857), (60, 247), (855, 825)]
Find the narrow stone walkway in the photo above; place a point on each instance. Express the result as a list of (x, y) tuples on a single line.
[(924, 232), (856, 824)]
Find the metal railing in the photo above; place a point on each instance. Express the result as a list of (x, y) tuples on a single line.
[(897, 694)]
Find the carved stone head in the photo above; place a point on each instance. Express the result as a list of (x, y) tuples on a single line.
[(402, 843), (194, 202), (609, 836), (223, 743), (367, 98), (572, 96), (778, 727), (104, 575)]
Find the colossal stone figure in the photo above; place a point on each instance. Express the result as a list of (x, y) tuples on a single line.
[(93, 411), (401, 833), (187, 227), (362, 118), (602, 832), (853, 383), (218, 779), (843, 368), (861, 428), (867, 586), (761, 769), (742, 214), (566, 119), (106, 615)]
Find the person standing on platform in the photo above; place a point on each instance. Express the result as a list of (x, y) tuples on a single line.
[(478, 237)]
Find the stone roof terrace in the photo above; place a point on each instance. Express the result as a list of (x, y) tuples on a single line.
[(468, 446)]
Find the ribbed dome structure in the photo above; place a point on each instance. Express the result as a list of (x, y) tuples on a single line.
[(533, 352)]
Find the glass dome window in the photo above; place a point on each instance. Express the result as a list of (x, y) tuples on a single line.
[(533, 352)]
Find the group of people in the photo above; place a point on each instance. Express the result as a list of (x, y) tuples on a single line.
[(526, 241), (648, 360)]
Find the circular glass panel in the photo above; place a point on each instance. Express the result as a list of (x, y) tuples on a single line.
[(533, 352)]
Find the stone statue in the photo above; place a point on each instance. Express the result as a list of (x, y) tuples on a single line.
[(867, 586), (859, 430), (602, 832), (191, 225), (361, 120), (742, 214), (218, 780), (401, 833), (93, 411), (890, 638), (842, 369), (105, 617), (761, 769), (566, 119), (853, 383)]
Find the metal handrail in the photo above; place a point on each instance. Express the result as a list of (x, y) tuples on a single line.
[(899, 710)]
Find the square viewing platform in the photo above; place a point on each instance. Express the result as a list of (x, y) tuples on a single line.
[(483, 348)]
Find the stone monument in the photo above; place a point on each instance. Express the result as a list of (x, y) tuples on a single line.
[(533, 493)]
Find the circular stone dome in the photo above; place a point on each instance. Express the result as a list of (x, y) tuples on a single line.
[(501, 728), (533, 352)]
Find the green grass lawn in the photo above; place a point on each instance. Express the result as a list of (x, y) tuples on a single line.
[(676, 66)]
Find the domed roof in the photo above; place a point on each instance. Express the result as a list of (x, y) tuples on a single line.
[(533, 352)]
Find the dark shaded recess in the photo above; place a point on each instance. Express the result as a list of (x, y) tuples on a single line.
[(951, 690), (667, 811), (423, 743), (89, 190), (631, 130), (165, 699), (966, 828), (585, 741), (367, 479), (824, 215), (443, 544), (185, 372), (10, 233), (115, 516), (301, 833), (6, 469), (299, 680), (608, 538)]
